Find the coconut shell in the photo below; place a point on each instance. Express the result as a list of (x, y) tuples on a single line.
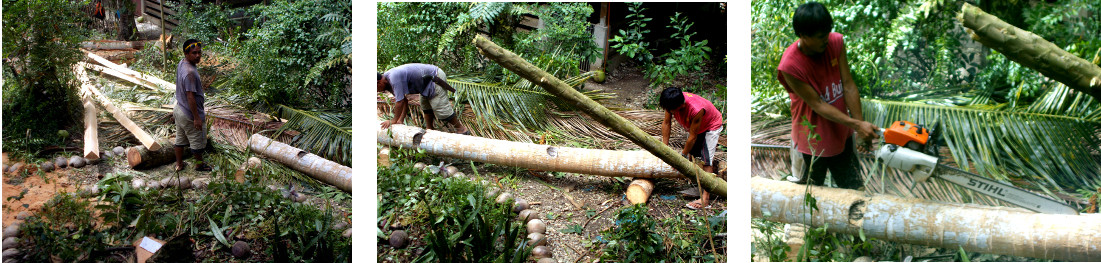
[(11, 231), (200, 183), (537, 239), (491, 193), (347, 233), (520, 205), (419, 166), (15, 167), (547, 260), (11, 242), (169, 182), (76, 162), (241, 250), (399, 239), (503, 198), (451, 169), (458, 175), (11, 253), (299, 197), (537, 226), (107, 154), (23, 215), (118, 150), (253, 163), (154, 185), (46, 166), (541, 252), (527, 215), (184, 183), (137, 183), (6, 167), (61, 162), (340, 226)]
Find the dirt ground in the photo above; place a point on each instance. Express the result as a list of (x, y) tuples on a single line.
[(630, 86)]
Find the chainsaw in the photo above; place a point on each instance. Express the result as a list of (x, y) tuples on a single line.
[(913, 148)]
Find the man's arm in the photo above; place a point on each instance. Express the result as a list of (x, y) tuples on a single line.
[(195, 118), (694, 130), (665, 128), (852, 99), (807, 93), (400, 108)]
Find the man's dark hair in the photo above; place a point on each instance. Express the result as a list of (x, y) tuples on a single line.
[(187, 44), (811, 19), (379, 76), (671, 98)]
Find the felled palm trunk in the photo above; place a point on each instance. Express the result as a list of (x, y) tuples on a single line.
[(617, 123), (140, 157), (640, 164), (1004, 231), (90, 90), (319, 168), (1032, 51)]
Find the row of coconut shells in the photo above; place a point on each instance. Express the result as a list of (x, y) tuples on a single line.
[(12, 241), (62, 162), (537, 229)]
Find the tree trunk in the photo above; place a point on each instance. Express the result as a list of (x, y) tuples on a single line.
[(127, 27), (147, 140), (1032, 51), (319, 168), (91, 130), (132, 73), (617, 123), (640, 164), (140, 157), (975, 228)]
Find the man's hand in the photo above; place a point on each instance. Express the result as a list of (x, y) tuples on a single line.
[(198, 123), (865, 133), (386, 124)]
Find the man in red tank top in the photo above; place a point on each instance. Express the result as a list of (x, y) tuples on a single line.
[(703, 122), (825, 102)]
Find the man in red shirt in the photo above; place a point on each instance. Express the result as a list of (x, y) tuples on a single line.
[(816, 75), (702, 121)]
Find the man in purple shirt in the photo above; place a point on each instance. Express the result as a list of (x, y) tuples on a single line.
[(189, 112), (420, 79)]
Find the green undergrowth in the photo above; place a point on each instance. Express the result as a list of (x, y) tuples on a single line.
[(449, 219), (84, 226), (683, 237)]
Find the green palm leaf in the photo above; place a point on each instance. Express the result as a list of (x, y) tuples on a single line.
[(327, 134), (1049, 152), (522, 104)]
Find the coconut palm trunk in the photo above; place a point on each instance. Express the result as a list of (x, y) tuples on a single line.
[(983, 229), (617, 123), (139, 157), (640, 164), (1032, 51), (319, 168)]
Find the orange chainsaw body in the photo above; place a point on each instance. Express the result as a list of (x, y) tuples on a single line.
[(907, 134)]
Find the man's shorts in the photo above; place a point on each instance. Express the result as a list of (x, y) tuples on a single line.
[(186, 133), (438, 105), (705, 148), (842, 167)]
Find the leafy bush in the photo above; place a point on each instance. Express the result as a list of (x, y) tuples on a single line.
[(298, 55), (562, 44), (631, 42), (682, 61), (40, 47), (208, 23)]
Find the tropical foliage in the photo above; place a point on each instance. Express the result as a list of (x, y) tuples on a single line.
[(40, 47), (999, 119)]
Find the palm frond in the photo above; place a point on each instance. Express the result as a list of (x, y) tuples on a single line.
[(1049, 152), (1062, 100), (327, 134)]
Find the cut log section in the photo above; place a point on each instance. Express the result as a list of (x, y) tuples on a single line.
[(86, 86), (974, 228), (639, 191), (616, 123), (112, 45), (319, 168), (527, 155), (1032, 51), (91, 130), (140, 157)]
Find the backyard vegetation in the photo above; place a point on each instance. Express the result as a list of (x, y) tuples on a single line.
[(285, 59), (479, 213), (916, 61)]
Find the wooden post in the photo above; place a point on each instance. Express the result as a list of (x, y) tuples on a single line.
[(86, 86), (91, 130)]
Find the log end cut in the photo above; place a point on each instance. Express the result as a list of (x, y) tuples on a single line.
[(133, 157)]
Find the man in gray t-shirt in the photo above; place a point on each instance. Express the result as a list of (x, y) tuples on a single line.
[(189, 112), (431, 83)]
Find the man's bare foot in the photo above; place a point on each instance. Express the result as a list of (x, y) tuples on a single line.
[(697, 205), (180, 167)]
